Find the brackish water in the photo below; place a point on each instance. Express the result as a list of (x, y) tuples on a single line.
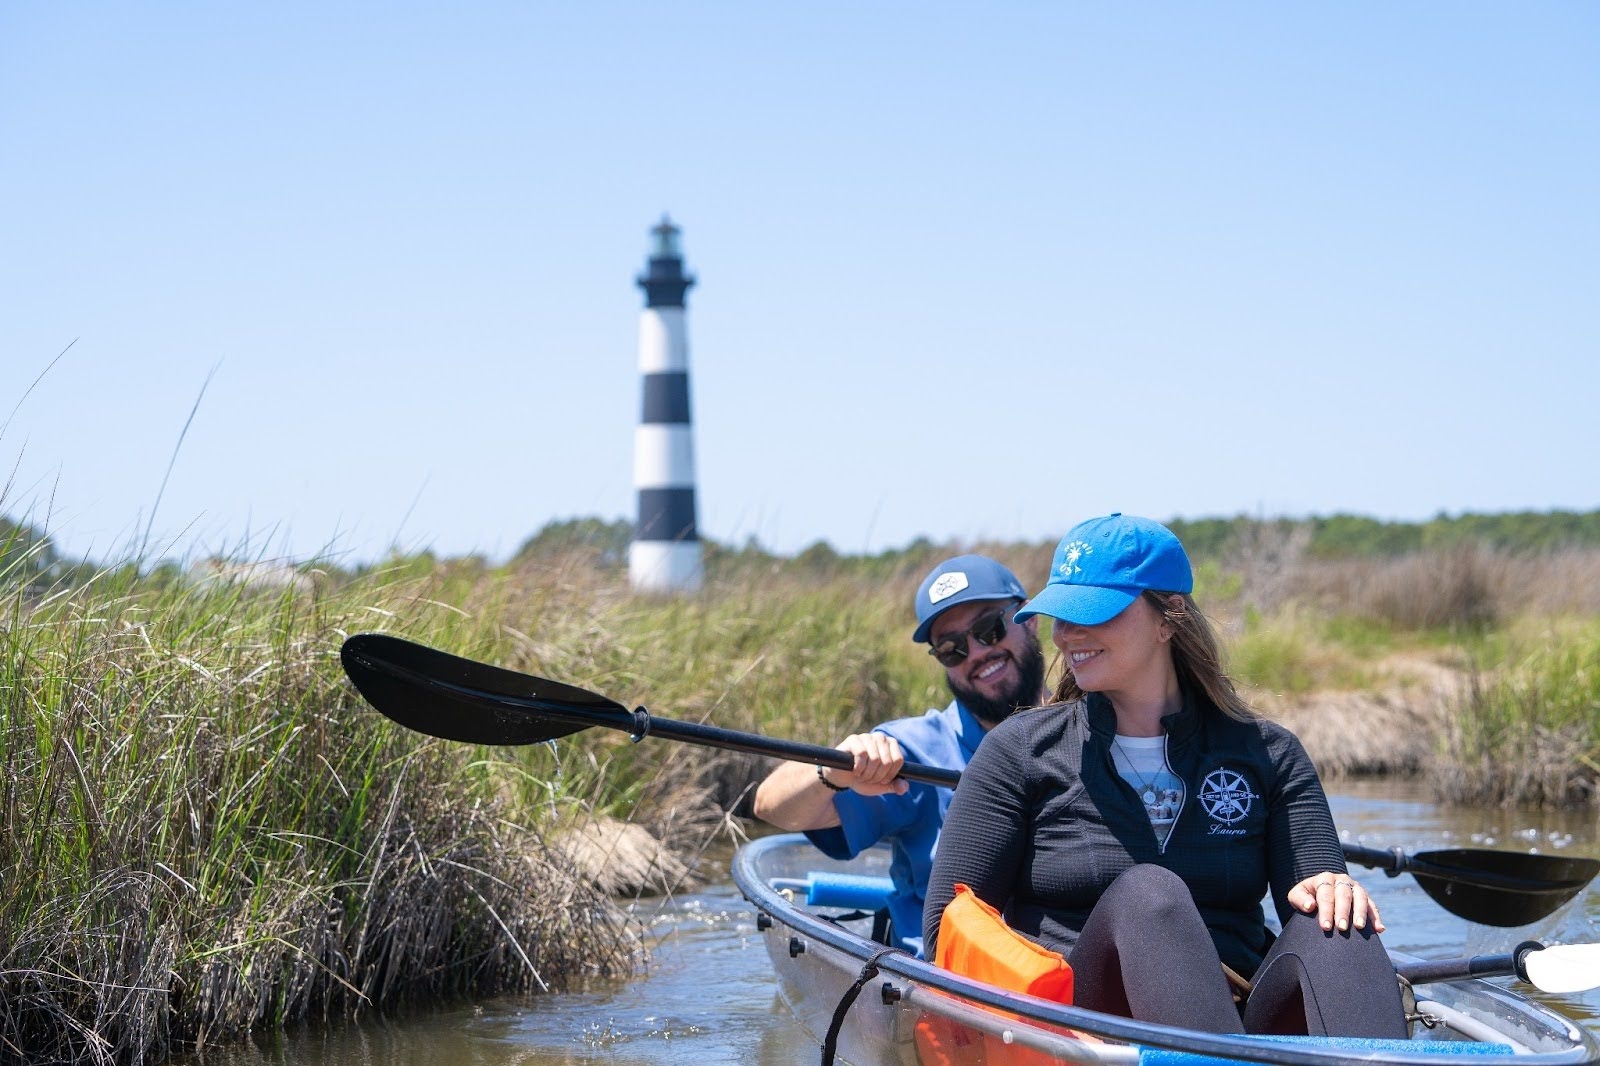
[(709, 995)]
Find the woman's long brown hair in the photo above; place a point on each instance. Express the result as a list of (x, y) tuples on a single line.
[(1195, 656)]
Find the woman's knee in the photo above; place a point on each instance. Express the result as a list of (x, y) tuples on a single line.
[(1155, 891), (1303, 934), (1147, 878)]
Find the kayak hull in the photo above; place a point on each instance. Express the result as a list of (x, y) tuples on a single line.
[(817, 961)]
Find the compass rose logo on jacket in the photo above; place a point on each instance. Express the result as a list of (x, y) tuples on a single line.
[(1226, 795)]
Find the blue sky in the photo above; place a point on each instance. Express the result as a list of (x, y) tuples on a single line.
[(965, 270)]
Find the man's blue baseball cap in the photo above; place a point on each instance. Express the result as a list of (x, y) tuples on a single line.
[(1102, 565), (958, 580)]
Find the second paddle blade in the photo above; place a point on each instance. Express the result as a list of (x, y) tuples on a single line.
[(1500, 888), (1564, 967), (447, 696)]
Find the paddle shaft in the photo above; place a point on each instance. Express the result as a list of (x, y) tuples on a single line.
[(1392, 863), (1505, 963), (792, 750), (641, 724)]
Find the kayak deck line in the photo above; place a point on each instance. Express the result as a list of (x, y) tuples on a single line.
[(816, 960)]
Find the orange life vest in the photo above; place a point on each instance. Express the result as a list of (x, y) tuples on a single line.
[(975, 941)]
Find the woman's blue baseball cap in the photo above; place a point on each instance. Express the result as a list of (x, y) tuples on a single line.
[(1102, 565), (957, 580)]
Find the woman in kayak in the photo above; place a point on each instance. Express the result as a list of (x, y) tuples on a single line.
[(1136, 823)]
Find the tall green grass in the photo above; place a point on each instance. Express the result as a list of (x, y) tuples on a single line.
[(1293, 653), (1530, 731), (204, 833)]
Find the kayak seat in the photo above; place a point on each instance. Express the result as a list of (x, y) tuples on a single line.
[(852, 891), (862, 894)]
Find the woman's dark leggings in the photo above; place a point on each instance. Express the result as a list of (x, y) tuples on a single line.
[(1144, 953)]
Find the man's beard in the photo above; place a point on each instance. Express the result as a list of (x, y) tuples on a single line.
[(1025, 693)]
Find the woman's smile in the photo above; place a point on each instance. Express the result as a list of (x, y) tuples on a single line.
[(1122, 655)]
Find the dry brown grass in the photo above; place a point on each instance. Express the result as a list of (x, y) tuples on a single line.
[(1391, 726), (1465, 588)]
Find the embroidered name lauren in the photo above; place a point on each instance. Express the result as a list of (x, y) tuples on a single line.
[(1224, 831)]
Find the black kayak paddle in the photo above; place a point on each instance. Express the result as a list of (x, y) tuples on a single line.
[(1504, 888), (446, 696)]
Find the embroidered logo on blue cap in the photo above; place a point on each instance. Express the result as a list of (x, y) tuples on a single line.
[(1071, 553), (947, 585)]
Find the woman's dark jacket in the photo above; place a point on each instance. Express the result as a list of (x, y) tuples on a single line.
[(1042, 823)]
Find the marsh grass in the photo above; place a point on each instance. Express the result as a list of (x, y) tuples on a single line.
[(1289, 658), (1461, 590), (206, 833), (1530, 731), (1299, 624)]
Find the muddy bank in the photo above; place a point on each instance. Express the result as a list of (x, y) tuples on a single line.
[(1398, 727)]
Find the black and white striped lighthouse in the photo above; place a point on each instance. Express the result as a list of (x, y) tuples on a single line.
[(665, 553)]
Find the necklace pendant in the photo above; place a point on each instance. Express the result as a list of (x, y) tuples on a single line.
[(1149, 797)]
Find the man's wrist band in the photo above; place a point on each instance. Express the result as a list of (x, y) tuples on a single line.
[(823, 777)]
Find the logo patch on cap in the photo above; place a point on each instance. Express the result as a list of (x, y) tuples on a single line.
[(1073, 552), (947, 585)]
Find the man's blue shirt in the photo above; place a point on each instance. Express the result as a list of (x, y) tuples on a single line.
[(910, 823)]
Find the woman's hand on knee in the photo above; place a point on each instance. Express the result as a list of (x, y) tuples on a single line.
[(1337, 901)]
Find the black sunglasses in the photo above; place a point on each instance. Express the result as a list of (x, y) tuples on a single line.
[(988, 631)]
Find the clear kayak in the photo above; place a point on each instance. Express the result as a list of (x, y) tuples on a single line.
[(871, 1007)]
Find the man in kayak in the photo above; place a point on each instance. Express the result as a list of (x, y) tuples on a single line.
[(993, 666)]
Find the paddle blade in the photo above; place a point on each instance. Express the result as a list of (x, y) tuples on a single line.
[(446, 696), (1564, 967), (1500, 888)]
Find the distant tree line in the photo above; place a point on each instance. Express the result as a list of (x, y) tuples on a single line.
[(1331, 537), (28, 556), (1356, 536)]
